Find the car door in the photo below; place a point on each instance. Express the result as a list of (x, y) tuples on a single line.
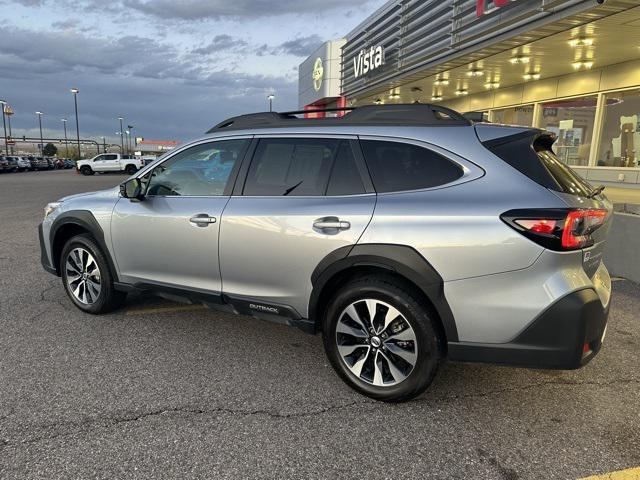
[(110, 162), (297, 201), (170, 237)]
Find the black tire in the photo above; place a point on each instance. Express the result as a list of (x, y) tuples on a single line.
[(86, 170), (109, 298), (429, 344), (130, 169)]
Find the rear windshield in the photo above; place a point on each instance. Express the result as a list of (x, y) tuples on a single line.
[(531, 155)]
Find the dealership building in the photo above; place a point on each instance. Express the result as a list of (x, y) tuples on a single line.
[(570, 66)]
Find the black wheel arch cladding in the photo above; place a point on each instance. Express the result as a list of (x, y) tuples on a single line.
[(402, 260), (82, 220)]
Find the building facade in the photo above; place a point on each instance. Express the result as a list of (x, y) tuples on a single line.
[(570, 66)]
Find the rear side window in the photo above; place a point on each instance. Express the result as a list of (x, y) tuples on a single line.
[(531, 155), (345, 177), (291, 166), (397, 166)]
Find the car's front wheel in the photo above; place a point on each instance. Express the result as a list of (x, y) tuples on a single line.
[(86, 170), (381, 340), (87, 278)]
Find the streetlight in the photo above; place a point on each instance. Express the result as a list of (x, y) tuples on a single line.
[(128, 137), (4, 124), (75, 102), (104, 145), (121, 136), (121, 148), (270, 97), (39, 114), (130, 127), (66, 142)]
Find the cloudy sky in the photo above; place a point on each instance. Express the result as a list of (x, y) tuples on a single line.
[(172, 68)]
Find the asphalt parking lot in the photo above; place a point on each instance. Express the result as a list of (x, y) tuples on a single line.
[(171, 391)]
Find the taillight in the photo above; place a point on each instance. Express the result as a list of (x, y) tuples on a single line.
[(579, 225), (557, 229)]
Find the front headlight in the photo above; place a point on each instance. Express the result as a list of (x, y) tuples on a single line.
[(50, 208)]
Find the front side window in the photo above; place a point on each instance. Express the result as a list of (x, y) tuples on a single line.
[(292, 166), (202, 170), (110, 157), (397, 166)]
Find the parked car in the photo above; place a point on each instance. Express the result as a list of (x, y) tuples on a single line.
[(4, 165), (69, 163), (148, 159), (406, 234), (109, 162), (39, 163), (23, 163), (13, 164)]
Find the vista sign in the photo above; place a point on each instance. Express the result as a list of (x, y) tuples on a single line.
[(368, 60), (481, 6)]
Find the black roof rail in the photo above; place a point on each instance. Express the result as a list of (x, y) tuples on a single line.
[(410, 114)]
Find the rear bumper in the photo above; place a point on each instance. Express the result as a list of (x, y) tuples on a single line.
[(566, 336)]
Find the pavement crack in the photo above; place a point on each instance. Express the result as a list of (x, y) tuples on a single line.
[(89, 425)]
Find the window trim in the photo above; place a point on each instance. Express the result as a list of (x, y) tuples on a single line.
[(355, 148), (470, 170), (233, 176)]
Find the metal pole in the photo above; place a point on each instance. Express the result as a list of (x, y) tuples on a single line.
[(75, 103), (121, 137), (40, 124), (4, 124), (66, 142), (10, 134)]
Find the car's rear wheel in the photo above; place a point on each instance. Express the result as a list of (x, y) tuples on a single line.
[(86, 170), (130, 169), (87, 278), (381, 340)]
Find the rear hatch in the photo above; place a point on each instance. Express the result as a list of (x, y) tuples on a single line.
[(530, 152)]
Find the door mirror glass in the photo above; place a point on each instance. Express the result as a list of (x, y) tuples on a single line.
[(132, 189)]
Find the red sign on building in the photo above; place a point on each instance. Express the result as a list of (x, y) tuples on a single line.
[(481, 6)]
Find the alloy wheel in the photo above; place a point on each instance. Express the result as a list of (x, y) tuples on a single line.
[(376, 342), (83, 276)]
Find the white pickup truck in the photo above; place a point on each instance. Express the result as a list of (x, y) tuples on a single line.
[(110, 162)]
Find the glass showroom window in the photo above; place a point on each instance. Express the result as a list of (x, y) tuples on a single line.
[(620, 140), (522, 115), (572, 120)]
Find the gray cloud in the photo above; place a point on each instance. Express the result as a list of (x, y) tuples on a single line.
[(301, 47), (162, 92), (221, 43), (216, 9)]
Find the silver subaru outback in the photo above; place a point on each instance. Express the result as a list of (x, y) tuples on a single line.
[(406, 234)]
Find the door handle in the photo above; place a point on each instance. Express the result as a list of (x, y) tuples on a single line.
[(202, 219), (331, 223)]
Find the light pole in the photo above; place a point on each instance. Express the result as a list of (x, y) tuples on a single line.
[(66, 142), (121, 148), (130, 127), (39, 114), (121, 136), (128, 137), (75, 102), (270, 98), (4, 124), (8, 112), (104, 145)]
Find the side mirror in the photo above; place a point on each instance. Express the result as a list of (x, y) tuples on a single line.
[(132, 189)]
